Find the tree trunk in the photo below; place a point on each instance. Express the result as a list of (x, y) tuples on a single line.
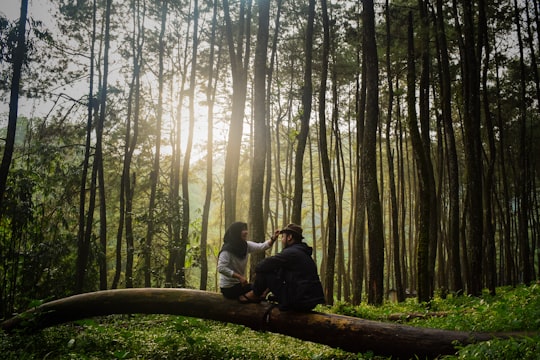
[(102, 255), (347, 333), (126, 200), (179, 265), (296, 215), (489, 232), (210, 99), (154, 175), (429, 177), (506, 252), (256, 208), (369, 161), (358, 248), (394, 221), (473, 151), (268, 215), (131, 181), (83, 247), (343, 275), (239, 69), (523, 171), (423, 269), (453, 168), (171, 275), (18, 60), (325, 162), (7, 297)]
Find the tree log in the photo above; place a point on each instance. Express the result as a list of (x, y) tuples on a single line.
[(347, 333)]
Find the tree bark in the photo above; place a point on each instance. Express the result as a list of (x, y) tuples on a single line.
[(179, 265), (171, 275), (131, 134), (473, 151), (102, 256), (154, 175), (344, 332), (210, 99), (358, 248), (83, 246), (523, 171), (394, 222), (18, 60), (369, 161), (256, 207), (453, 167), (325, 162), (429, 179), (239, 70), (422, 260), (296, 216)]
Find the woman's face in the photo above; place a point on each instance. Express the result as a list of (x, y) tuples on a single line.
[(244, 234)]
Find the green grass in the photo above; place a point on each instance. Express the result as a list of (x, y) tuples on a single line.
[(177, 337)]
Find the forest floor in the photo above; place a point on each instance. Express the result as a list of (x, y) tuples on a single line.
[(178, 337)]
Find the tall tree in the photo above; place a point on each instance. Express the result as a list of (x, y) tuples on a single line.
[(18, 60), (473, 152), (325, 162), (523, 171), (307, 92), (270, 72), (423, 231), (427, 173), (239, 54), (154, 174), (83, 240), (131, 136), (452, 159), (258, 165), (98, 156), (171, 274), (394, 221), (489, 232), (180, 264), (369, 161), (358, 248), (210, 99), (130, 182)]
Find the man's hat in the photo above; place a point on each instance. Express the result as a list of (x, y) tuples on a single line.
[(292, 228)]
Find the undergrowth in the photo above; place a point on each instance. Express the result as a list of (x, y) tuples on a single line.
[(177, 337)]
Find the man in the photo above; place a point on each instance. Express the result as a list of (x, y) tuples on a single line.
[(291, 275)]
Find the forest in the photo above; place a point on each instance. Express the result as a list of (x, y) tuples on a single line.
[(401, 135)]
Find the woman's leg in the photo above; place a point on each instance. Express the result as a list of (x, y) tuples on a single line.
[(235, 291)]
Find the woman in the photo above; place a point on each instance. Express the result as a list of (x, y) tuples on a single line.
[(233, 259)]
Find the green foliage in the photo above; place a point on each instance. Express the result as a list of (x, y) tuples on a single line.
[(160, 337), (512, 309), (526, 349), (178, 337)]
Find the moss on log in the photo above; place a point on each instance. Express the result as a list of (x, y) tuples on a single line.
[(348, 333)]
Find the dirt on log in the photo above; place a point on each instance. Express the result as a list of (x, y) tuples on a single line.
[(348, 333)]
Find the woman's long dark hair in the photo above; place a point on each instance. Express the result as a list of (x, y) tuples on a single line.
[(232, 240)]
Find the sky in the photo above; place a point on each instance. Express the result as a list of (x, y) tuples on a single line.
[(12, 8), (37, 9)]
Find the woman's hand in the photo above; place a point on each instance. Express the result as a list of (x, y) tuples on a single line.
[(274, 237), (241, 278), (243, 281)]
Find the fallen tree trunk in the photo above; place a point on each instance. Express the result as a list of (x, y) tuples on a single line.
[(344, 332)]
